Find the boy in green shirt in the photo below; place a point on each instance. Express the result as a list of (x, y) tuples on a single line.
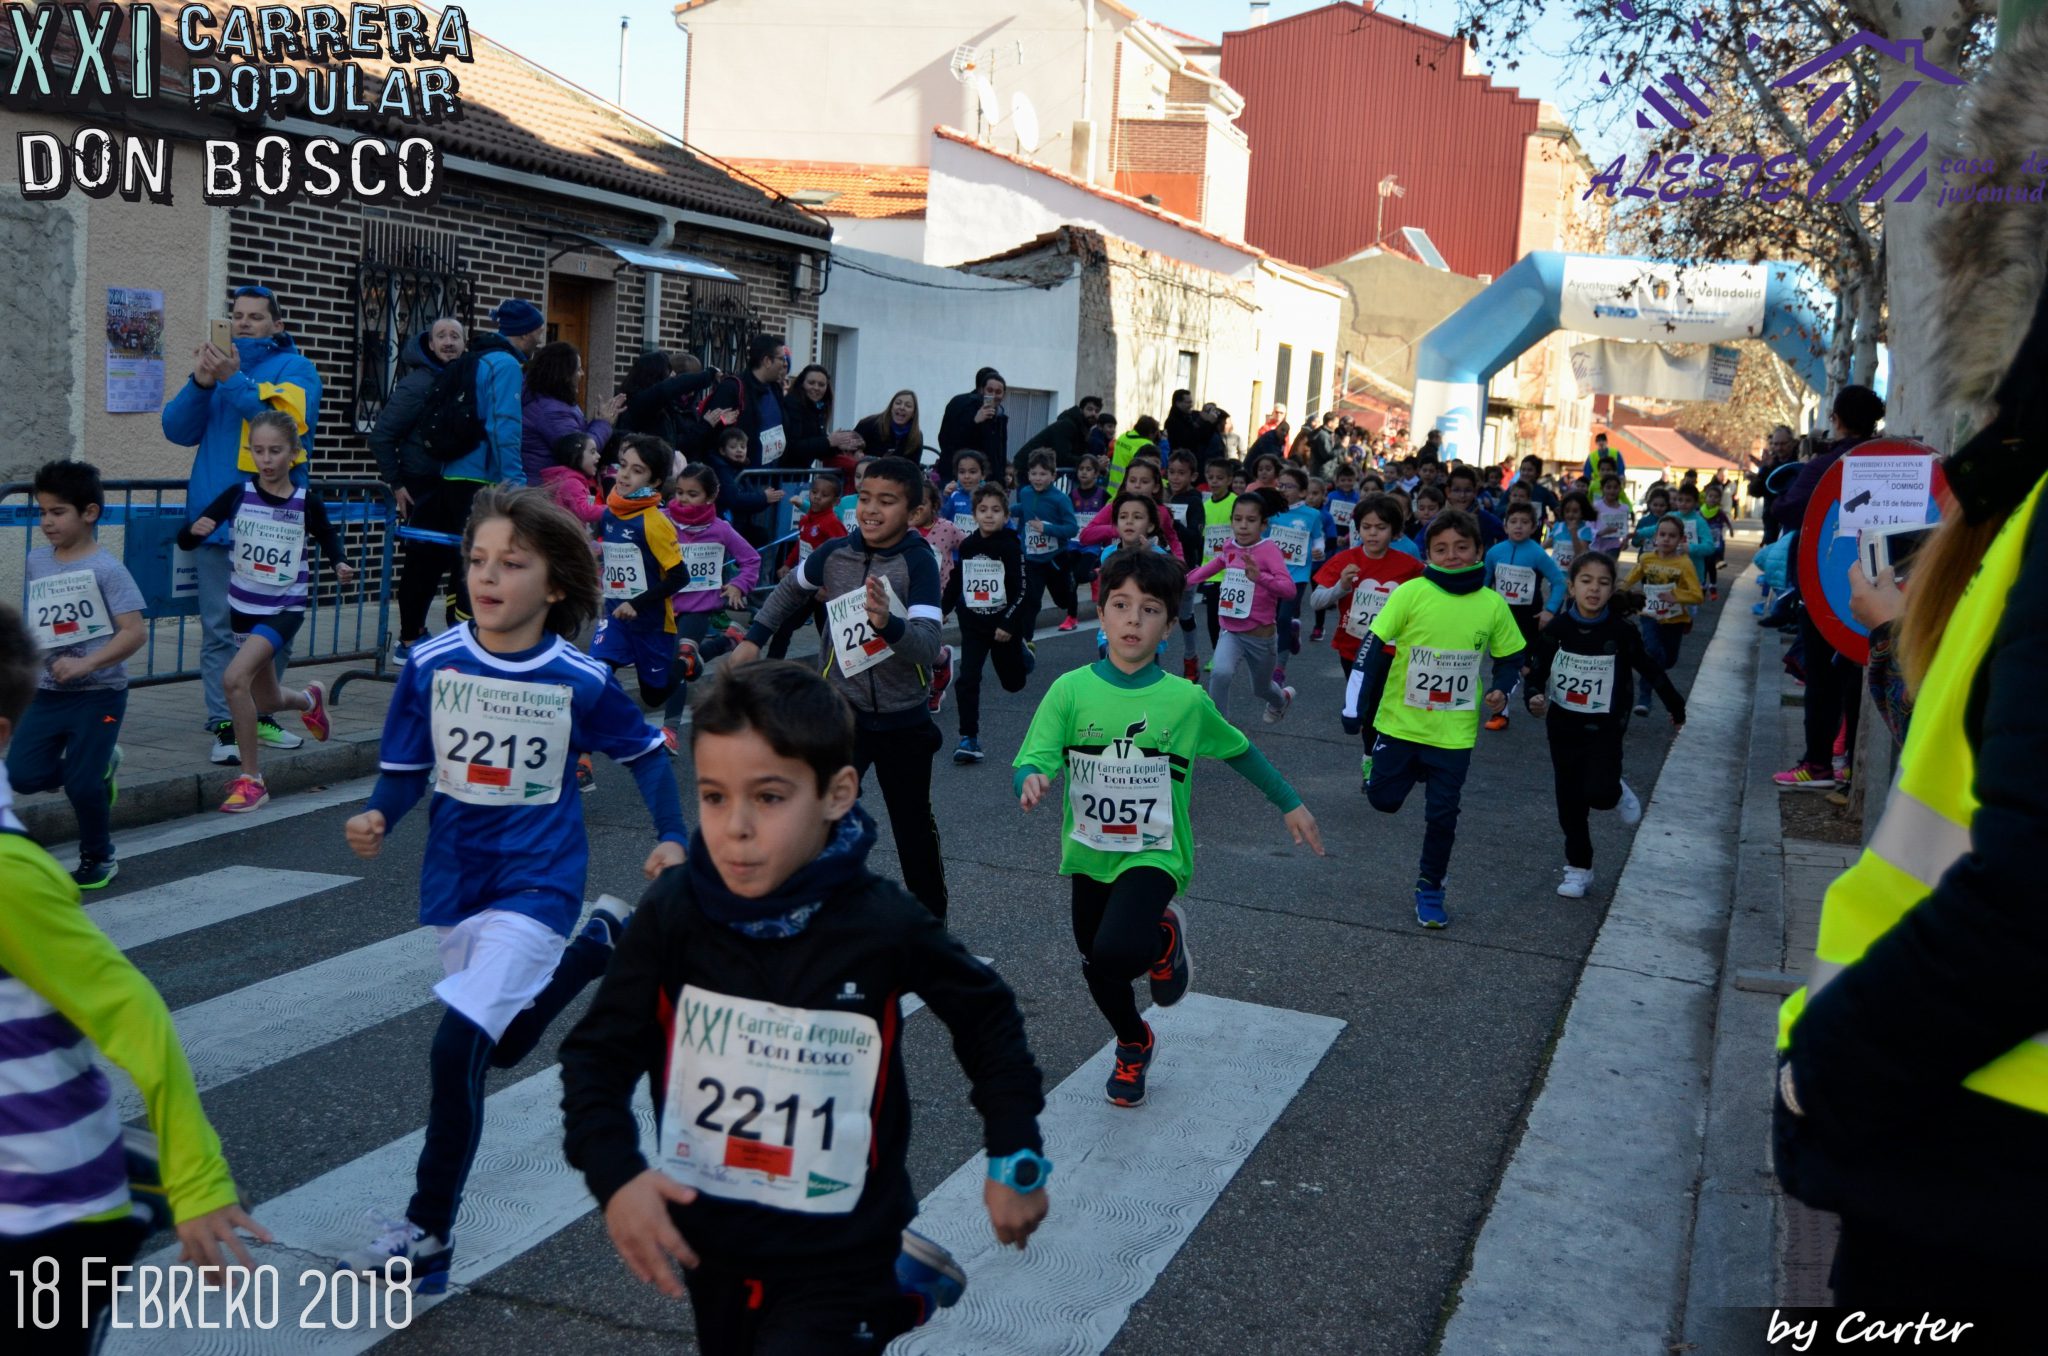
[(1127, 735), (1424, 695)]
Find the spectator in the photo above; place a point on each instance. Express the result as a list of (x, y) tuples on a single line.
[(1066, 436), (497, 360), (1274, 419), (1227, 434), (895, 432), (807, 415), (1322, 444), (399, 445), (658, 391), (1603, 460), (976, 419), (1141, 440), (1273, 442), (1184, 430), (1781, 448), (262, 369), (548, 410), (757, 394), (1102, 437)]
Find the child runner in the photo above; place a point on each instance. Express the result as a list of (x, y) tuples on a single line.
[(485, 716), (1136, 530), (85, 616), (1089, 496), (1424, 696), (1217, 476), (572, 480), (1344, 496), (1127, 735), (849, 502), (1186, 503), (267, 591), (1571, 533), (1253, 580), (70, 998), (792, 1242), (1580, 669), (1670, 587), (1333, 539), (1360, 580), (880, 588), (988, 594), (1141, 477), (708, 544), (1428, 502), (1297, 530), (1513, 569), (643, 570), (819, 524), (1045, 519), (1699, 533), (1612, 516), (943, 538), (958, 507), (1659, 505), (1717, 518)]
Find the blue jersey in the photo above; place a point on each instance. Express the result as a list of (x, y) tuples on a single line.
[(1299, 529), (958, 507), (497, 736)]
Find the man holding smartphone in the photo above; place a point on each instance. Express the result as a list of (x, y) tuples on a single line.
[(236, 376), (976, 420)]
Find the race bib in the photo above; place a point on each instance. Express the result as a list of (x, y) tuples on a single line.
[(1292, 539), (965, 522), (1611, 524), (846, 516), (1180, 514), (1214, 538), (267, 548), (64, 609), (1443, 680), (855, 646), (768, 1104), (981, 583), (1516, 584), (1582, 683), (1564, 551), (1121, 803), (1692, 531), (803, 550), (1234, 597), (1037, 542), (706, 564), (1366, 602), (1341, 511), (1658, 602), (498, 742), (773, 440), (624, 576)]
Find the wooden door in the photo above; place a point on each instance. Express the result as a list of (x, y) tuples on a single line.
[(569, 322)]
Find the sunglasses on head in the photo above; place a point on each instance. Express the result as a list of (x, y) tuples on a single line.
[(253, 291)]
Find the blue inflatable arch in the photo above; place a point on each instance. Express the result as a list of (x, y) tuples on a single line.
[(1609, 298)]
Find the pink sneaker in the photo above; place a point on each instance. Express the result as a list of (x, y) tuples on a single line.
[(1067, 625), (245, 794), (1805, 777), (314, 717)]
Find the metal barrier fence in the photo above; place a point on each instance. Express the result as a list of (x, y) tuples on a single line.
[(140, 525)]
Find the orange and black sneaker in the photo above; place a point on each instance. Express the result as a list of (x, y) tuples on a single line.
[(1499, 722), (586, 776), (689, 664), (1127, 1079), (1175, 969)]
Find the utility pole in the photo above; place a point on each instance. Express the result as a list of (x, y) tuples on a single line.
[(625, 22)]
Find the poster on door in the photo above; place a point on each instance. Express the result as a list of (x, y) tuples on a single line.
[(135, 350)]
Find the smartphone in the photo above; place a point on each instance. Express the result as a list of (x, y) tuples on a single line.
[(1894, 546), (224, 335)]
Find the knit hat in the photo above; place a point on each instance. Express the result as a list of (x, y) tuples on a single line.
[(516, 317)]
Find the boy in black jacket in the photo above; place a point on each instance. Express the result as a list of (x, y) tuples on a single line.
[(987, 593), (758, 989)]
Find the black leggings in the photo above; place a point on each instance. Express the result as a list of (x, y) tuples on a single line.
[(902, 760), (976, 646), (1120, 929), (778, 644), (443, 507), (825, 1311), (1040, 578), (1585, 760)]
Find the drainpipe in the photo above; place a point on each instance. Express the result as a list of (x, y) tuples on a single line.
[(650, 320)]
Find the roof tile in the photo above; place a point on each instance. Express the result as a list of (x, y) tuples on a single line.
[(868, 192)]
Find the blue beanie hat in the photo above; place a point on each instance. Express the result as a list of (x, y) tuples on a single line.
[(516, 317)]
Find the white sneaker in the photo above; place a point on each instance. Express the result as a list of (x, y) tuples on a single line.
[(1575, 882), (426, 1255), (1628, 807), (1275, 714), (608, 919)]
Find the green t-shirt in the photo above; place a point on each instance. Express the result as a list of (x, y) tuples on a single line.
[(1435, 688), (1127, 744)]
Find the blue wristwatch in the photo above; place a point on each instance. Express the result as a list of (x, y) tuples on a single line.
[(1025, 1170)]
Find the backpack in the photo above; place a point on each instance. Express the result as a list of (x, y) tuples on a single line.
[(450, 426)]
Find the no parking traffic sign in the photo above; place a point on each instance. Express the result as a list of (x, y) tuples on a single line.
[(1875, 484)]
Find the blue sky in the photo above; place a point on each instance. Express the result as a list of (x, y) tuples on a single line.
[(582, 44)]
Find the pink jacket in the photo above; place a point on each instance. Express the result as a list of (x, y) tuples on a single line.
[(945, 539), (736, 550), (574, 492), (1101, 529), (1270, 579)]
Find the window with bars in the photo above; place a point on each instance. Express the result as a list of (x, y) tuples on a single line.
[(721, 322), (406, 278)]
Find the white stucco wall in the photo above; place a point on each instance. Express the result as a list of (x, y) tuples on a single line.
[(1227, 162), (979, 204), (894, 333), (902, 237), (1304, 316)]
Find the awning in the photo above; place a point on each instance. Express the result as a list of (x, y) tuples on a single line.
[(643, 256)]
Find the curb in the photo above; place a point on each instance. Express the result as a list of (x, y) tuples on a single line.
[(1585, 1246)]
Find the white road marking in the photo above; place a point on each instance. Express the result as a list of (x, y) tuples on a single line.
[(199, 828), (200, 901), (1128, 1186)]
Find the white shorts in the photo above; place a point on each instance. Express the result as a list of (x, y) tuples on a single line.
[(496, 962)]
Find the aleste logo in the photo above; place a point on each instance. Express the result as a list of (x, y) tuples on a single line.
[(1862, 159)]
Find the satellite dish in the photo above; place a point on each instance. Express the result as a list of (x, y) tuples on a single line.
[(985, 95), (1024, 121)]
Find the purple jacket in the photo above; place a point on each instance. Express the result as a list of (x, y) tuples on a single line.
[(737, 552), (546, 419)]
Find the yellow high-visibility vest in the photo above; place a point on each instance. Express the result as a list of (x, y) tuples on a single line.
[(1926, 824)]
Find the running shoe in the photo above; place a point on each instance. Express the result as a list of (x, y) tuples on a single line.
[(94, 872), (1576, 879), (114, 776), (1276, 714), (1713, 593), (586, 779), (224, 750), (1191, 669), (427, 1256), (969, 751), (1068, 624), (275, 735), (1126, 1086), (401, 650), (1629, 807), (928, 1274), (607, 921), (671, 741), (1030, 658), (1499, 722), (314, 717), (942, 676), (1364, 772), (245, 794), (688, 663), (1175, 969), (1805, 777), (1315, 635), (1209, 665), (1429, 905), (1642, 709)]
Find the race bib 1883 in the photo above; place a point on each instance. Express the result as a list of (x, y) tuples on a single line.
[(706, 563)]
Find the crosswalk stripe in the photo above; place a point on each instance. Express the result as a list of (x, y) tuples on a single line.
[(200, 901), (199, 828), (285, 1016), (1128, 1185)]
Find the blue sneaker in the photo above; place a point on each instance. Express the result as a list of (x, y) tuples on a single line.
[(927, 1273), (607, 922), (969, 751), (1429, 905), (426, 1255), (1030, 658)]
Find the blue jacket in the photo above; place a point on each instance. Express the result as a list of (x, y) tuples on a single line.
[(215, 420), (1052, 508), (500, 384), (1531, 554)]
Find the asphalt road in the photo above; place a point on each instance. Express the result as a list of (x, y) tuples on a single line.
[(1347, 1228)]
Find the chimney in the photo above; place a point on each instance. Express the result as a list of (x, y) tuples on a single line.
[(1258, 12)]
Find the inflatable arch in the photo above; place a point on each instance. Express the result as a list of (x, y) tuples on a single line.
[(1609, 298)]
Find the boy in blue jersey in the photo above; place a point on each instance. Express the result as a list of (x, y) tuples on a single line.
[(1298, 532), (643, 571), (1518, 569), (488, 716)]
